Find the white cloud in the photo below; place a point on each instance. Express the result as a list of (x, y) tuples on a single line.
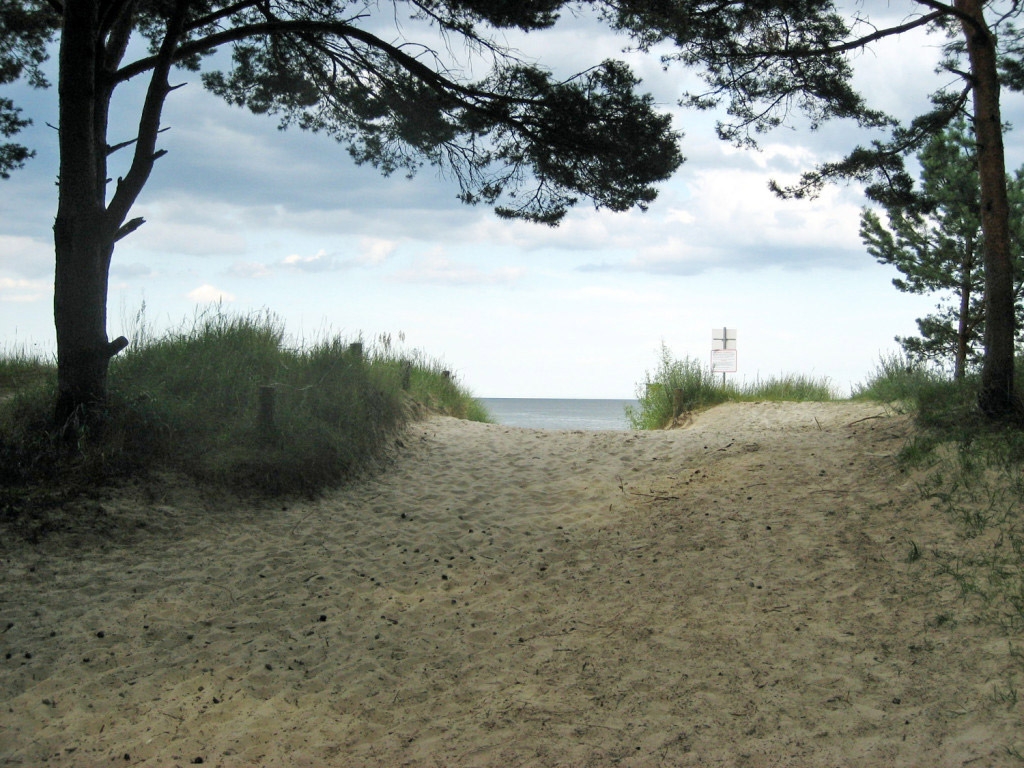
[(207, 294), (437, 269), (374, 251), (681, 216), (320, 261), (370, 252), (24, 291), (249, 269), (179, 225), (28, 256)]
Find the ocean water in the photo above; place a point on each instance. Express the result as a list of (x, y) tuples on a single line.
[(549, 413)]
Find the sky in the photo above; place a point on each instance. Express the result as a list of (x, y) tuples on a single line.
[(246, 217)]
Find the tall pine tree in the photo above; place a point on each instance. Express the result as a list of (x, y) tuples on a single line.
[(934, 239)]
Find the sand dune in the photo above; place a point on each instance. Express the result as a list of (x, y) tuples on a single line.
[(735, 593)]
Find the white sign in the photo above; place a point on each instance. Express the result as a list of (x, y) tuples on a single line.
[(723, 338), (724, 361)]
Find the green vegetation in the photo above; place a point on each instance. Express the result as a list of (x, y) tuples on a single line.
[(972, 470), (698, 388), (20, 369), (947, 409), (228, 402), (933, 237)]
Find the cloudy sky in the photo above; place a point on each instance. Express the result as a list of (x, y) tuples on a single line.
[(257, 219)]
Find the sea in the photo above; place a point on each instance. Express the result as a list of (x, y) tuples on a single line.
[(552, 413)]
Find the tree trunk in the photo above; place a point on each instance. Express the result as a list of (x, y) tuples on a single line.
[(87, 226), (996, 397), (80, 317), (963, 332), (83, 244)]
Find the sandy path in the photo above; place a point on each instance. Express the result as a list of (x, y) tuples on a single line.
[(735, 593)]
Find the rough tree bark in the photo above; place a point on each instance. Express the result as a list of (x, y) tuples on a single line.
[(996, 397), (963, 332), (82, 257), (87, 226)]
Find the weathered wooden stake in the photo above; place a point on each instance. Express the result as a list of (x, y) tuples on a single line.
[(265, 421), (356, 350), (677, 403), (406, 374)]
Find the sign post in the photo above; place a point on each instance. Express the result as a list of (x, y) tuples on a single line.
[(724, 357)]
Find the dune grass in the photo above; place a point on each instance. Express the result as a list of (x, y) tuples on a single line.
[(20, 369), (937, 401), (687, 385), (226, 400)]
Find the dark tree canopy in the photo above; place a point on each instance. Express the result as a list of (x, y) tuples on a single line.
[(518, 137), (24, 33)]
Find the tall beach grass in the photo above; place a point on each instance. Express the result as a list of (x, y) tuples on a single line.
[(229, 401), (21, 369), (685, 385)]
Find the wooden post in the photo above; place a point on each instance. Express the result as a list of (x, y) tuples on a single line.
[(356, 350), (677, 403), (265, 422), (406, 374)]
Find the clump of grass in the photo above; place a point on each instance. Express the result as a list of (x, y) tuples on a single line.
[(229, 402), (789, 388), (683, 386), (898, 379), (656, 396), (21, 369), (429, 382), (936, 399)]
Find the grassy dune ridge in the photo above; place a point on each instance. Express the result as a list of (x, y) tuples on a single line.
[(230, 401), (698, 388)]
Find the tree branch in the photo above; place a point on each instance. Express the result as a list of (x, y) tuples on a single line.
[(337, 29), (223, 13), (129, 188), (951, 10), (860, 42), (128, 228), (118, 21), (471, 96), (111, 149)]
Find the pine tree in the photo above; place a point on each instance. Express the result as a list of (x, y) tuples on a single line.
[(935, 240)]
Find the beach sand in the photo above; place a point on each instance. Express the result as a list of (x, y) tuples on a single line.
[(734, 593)]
